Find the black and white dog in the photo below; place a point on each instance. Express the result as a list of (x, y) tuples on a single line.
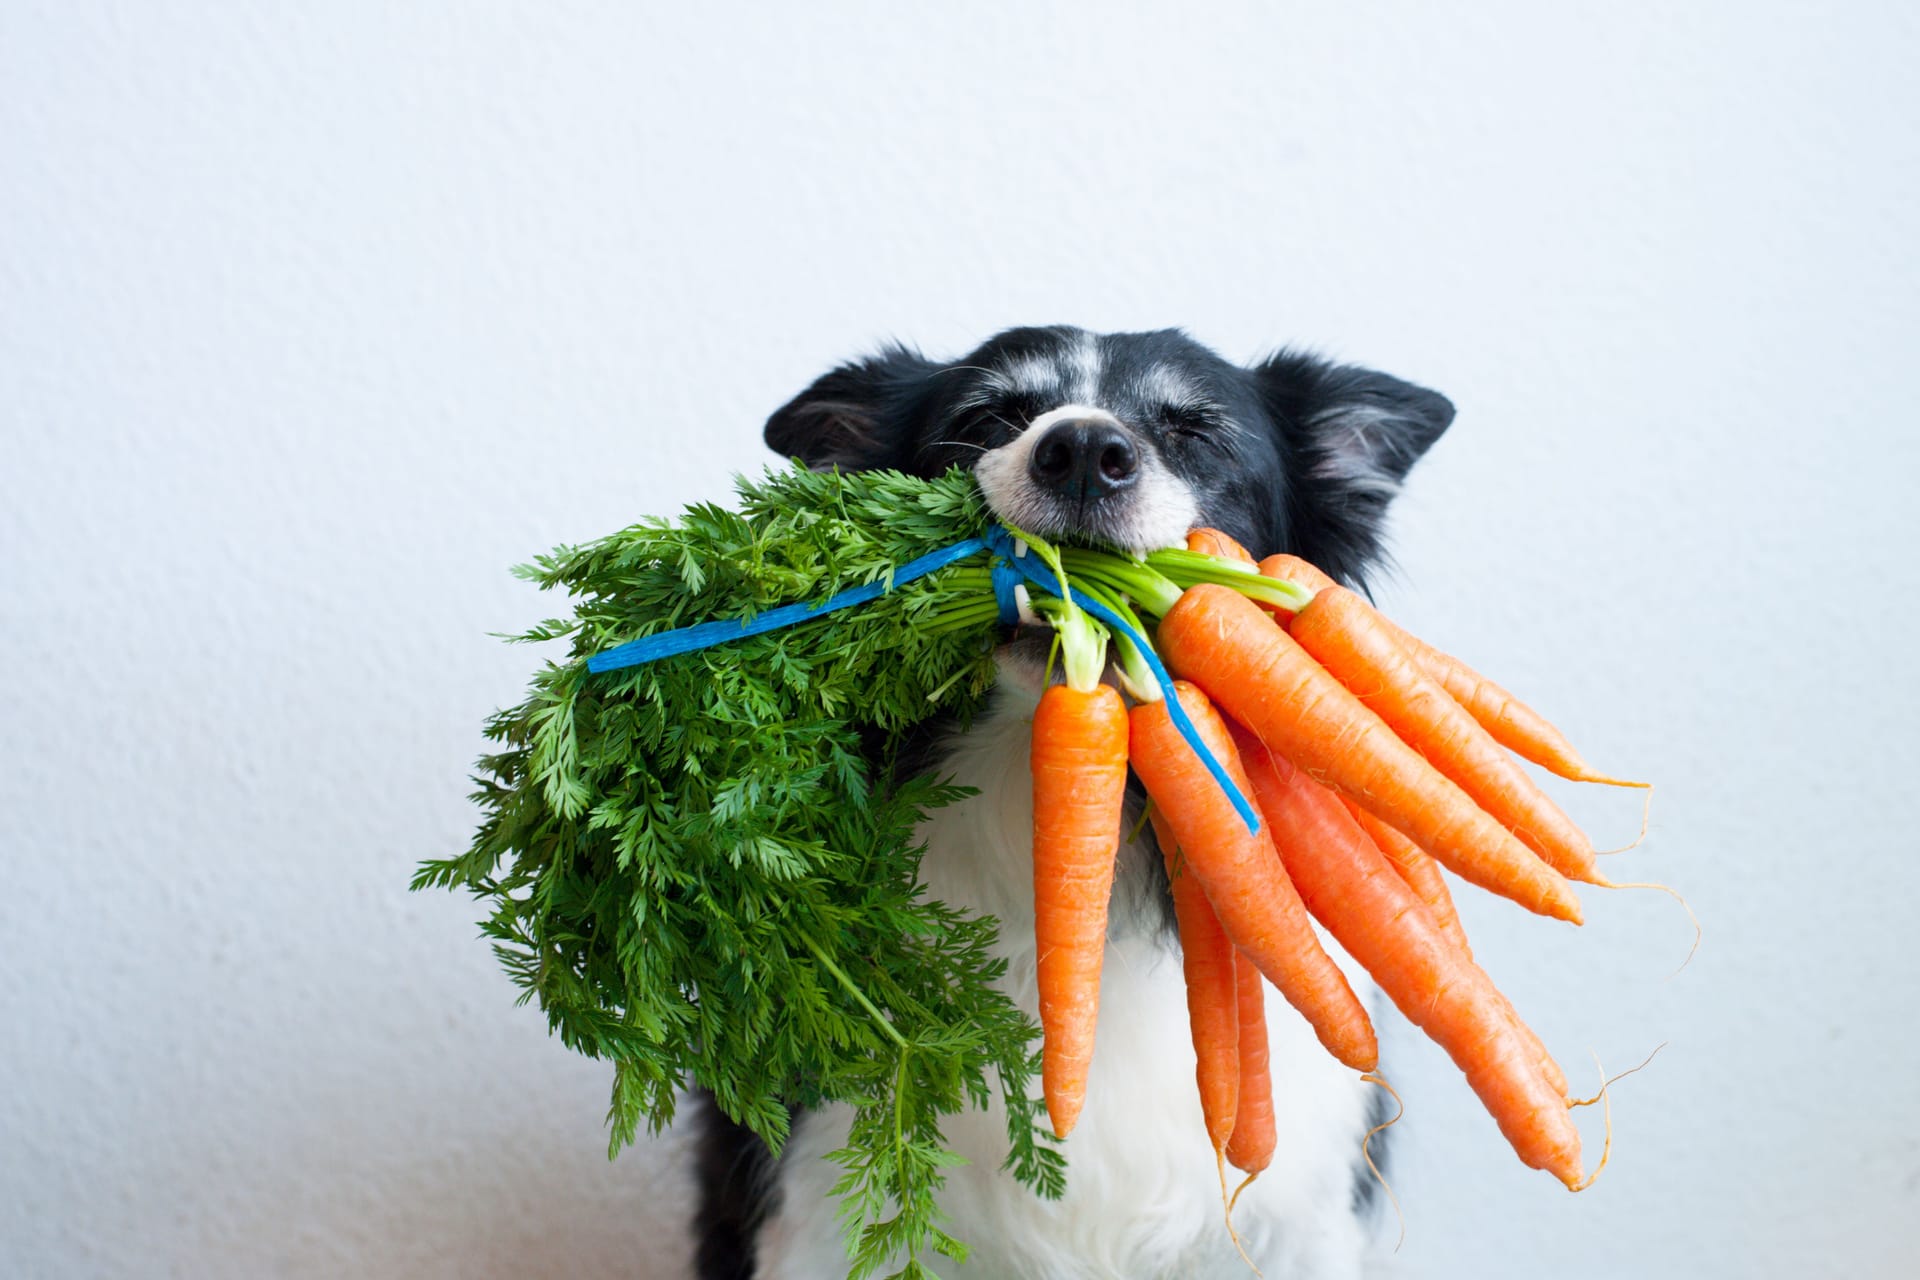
[(1131, 439)]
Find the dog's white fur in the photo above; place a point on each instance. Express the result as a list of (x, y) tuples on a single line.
[(1143, 1196)]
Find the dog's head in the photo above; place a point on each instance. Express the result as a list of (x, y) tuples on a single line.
[(1133, 438)]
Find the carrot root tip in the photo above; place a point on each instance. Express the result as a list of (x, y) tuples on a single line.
[(1606, 1146), (1600, 779), (1605, 1085), (1226, 1204), (1646, 817), (1374, 1077), (1671, 892)]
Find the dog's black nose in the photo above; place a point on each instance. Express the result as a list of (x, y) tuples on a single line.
[(1084, 459)]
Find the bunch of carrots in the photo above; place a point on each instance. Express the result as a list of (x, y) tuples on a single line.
[(1374, 761)]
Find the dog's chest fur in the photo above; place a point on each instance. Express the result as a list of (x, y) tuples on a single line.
[(1143, 1194)]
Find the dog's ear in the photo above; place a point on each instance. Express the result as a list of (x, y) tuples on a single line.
[(1349, 435), (858, 416)]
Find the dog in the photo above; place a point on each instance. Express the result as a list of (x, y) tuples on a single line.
[(1129, 439)]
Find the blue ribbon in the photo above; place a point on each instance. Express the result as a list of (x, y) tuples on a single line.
[(1005, 580), (1043, 577), (1008, 570), (704, 635)]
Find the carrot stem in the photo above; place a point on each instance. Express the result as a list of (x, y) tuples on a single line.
[(1083, 641), (1155, 592), (1134, 671), (1182, 723), (1188, 568), (859, 996)]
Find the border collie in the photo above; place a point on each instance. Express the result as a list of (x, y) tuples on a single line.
[(1130, 439)]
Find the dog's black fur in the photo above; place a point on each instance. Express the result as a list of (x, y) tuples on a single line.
[(1291, 454)]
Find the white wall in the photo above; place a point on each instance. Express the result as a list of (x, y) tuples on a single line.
[(312, 321)]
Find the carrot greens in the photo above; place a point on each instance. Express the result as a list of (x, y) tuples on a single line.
[(704, 869)]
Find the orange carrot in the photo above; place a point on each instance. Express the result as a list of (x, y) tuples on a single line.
[(1513, 724), (1297, 571), (1253, 1130), (1351, 888), (1212, 542), (1208, 961), (1263, 678), (1240, 872), (1423, 876), (1543, 1062), (1352, 641), (1421, 873), (1079, 785)]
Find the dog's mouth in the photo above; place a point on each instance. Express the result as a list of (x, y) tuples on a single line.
[(1121, 527), (1098, 532)]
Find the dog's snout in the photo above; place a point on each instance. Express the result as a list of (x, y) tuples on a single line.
[(1084, 459)]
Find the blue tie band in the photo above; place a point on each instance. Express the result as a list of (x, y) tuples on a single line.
[(1008, 570), (1002, 541), (704, 635)]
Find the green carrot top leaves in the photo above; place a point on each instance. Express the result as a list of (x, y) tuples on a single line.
[(703, 868)]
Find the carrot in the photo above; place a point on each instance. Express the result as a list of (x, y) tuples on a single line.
[(1423, 876), (1207, 958), (1212, 542), (1296, 570), (1543, 1062), (1263, 678), (1253, 1130), (1241, 874), (1513, 724), (1079, 784), (1421, 873), (1352, 641), (1351, 888)]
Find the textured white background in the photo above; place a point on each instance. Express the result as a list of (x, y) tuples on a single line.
[(314, 318)]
